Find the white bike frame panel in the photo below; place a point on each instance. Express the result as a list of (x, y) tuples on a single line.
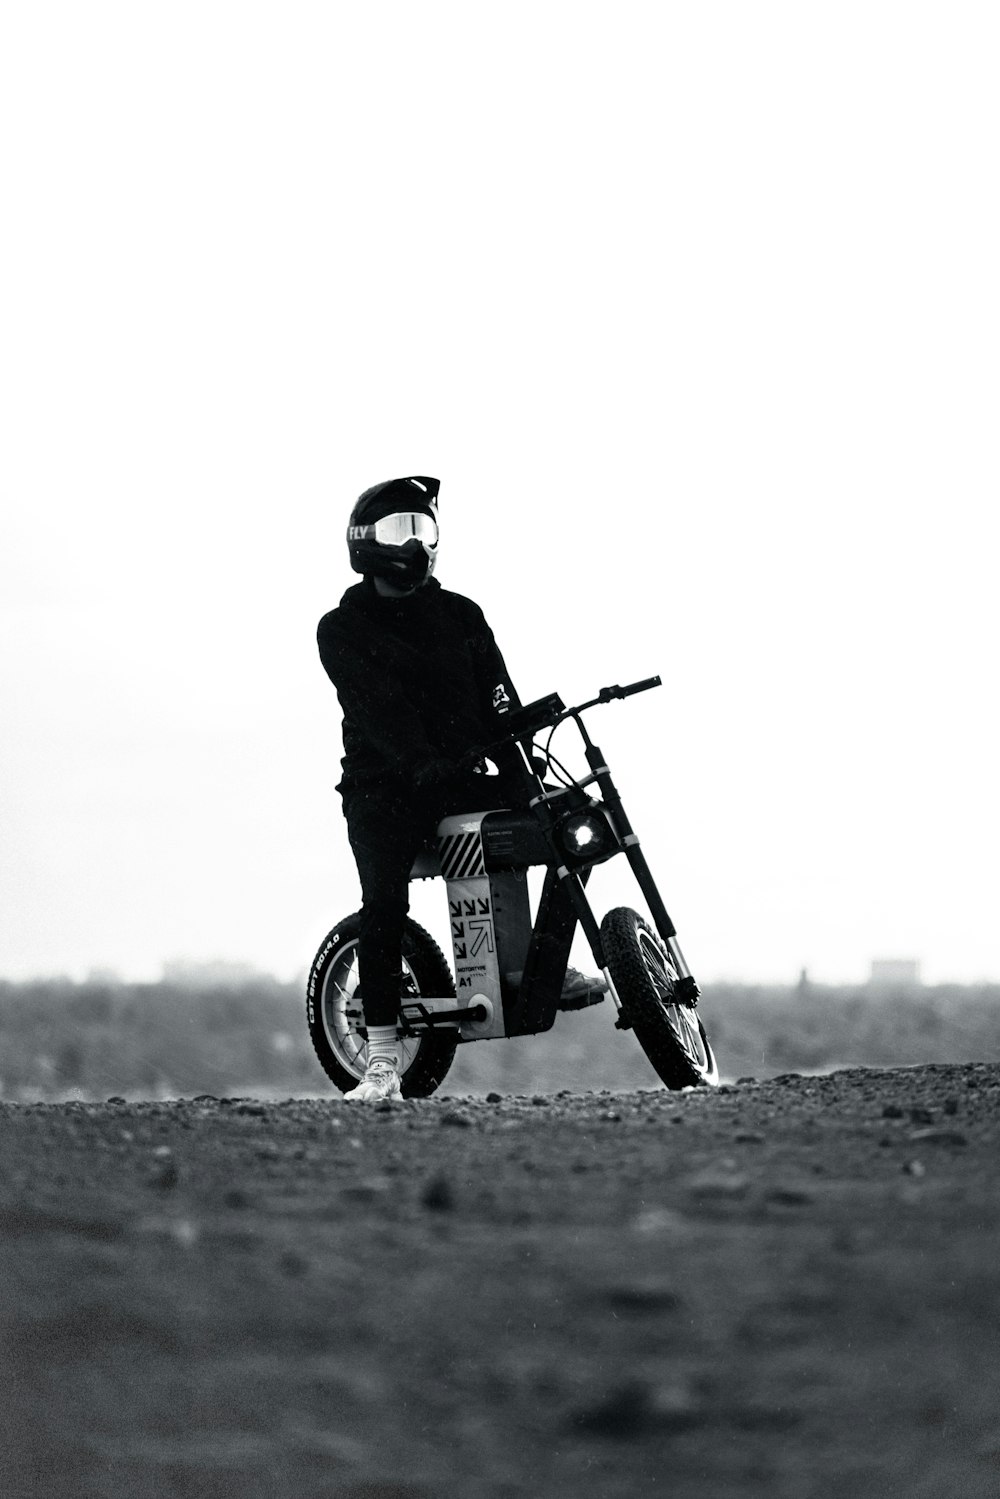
[(473, 929)]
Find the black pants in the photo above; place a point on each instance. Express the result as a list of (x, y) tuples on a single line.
[(386, 832)]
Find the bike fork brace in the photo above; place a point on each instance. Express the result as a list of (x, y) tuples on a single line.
[(686, 989)]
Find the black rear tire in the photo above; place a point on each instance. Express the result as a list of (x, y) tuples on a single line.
[(333, 1013), (671, 1034)]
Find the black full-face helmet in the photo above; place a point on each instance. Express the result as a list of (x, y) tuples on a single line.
[(393, 531)]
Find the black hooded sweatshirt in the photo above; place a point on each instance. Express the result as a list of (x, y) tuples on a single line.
[(420, 680)]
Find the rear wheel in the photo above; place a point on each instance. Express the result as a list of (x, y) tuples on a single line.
[(334, 1012), (671, 1034)]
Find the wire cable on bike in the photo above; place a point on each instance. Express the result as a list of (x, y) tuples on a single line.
[(554, 765)]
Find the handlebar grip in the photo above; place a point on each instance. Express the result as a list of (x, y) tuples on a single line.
[(643, 686), (607, 693)]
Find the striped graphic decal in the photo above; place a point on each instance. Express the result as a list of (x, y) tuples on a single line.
[(461, 855)]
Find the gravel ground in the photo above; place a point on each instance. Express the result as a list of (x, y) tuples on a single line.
[(786, 1289)]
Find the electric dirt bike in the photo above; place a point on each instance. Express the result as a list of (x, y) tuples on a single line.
[(509, 967)]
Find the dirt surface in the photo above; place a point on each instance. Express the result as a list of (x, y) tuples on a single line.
[(784, 1289)]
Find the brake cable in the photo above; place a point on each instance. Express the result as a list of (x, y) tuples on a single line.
[(551, 760)]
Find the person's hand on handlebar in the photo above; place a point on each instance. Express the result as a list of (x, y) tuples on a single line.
[(432, 774)]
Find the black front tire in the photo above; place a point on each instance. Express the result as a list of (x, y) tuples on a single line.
[(671, 1034), (334, 1014)]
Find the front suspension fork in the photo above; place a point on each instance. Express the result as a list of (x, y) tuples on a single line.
[(687, 988)]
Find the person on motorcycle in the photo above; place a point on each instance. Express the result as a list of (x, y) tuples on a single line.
[(422, 686)]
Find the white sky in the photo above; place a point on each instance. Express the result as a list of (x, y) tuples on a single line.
[(694, 310)]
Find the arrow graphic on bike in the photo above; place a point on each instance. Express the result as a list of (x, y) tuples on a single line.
[(470, 908), (484, 907), (455, 907), (484, 933), (460, 952), (457, 931)]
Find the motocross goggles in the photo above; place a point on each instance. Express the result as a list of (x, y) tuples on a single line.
[(396, 530)]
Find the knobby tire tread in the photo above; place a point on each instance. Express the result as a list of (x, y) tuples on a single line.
[(641, 1004)]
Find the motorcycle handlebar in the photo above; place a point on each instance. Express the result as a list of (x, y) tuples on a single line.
[(607, 693), (534, 718)]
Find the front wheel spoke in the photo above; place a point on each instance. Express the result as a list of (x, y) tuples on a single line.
[(682, 1029), (664, 990), (692, 1044), (660, 980)]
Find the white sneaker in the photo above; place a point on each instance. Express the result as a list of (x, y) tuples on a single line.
[(381, 1081)]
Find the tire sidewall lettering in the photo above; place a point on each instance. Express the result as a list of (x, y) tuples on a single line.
[(434, 1053)]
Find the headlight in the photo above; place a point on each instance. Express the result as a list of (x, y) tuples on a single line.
[(587, 835)]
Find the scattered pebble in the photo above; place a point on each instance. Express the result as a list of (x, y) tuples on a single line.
[(914, 1168), (663, 1222), (636, 1408), (892, 1111), (642, 1297), (365, 1191), (438, 1195), (791, 1197), (494, 1098), (185, 1232), (455, 1118), (165, 1177), (940, 1136), (722, 1183)]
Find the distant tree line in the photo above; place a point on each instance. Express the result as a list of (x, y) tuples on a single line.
[(179, 1038)]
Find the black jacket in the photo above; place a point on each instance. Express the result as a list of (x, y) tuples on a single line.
[(420, 680)]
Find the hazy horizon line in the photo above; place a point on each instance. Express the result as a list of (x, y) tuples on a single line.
[(233, 973)]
